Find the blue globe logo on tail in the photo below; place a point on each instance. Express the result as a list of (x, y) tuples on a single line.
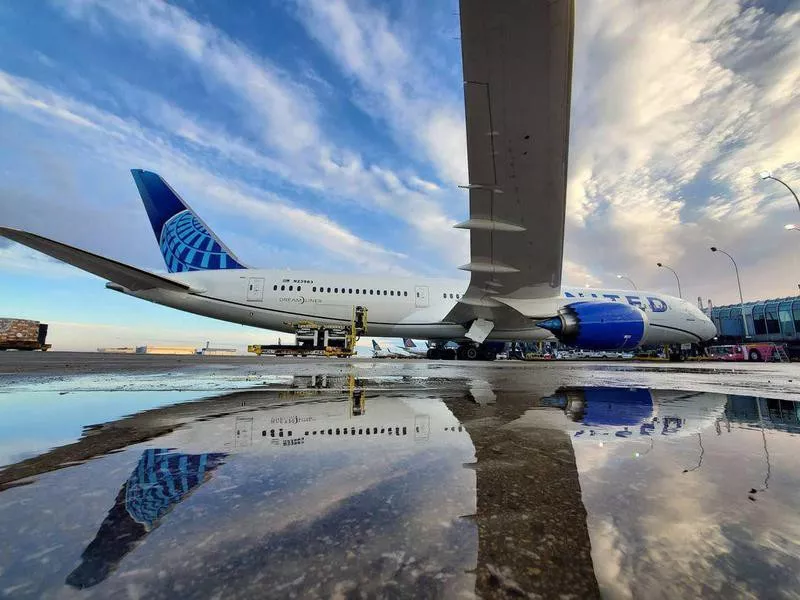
[(188, 246), (185, 241)]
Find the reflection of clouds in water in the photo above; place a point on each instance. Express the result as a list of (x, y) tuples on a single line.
[(658, 532), (274, 509)]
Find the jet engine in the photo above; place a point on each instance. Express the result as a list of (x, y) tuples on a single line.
[(598, 325)]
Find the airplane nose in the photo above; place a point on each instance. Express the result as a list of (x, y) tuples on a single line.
[(709, 329)]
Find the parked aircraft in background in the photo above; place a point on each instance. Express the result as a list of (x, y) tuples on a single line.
[(410, 347), (378, 352), (517, 61)]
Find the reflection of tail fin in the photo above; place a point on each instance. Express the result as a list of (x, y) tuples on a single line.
[(409, 343), (160, 481), (375, 346), (187, 244)]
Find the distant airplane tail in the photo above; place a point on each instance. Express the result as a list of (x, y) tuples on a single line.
[(409, 343), (186, 243), (375, 346)]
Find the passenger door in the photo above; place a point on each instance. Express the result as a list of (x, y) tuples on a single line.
[(421, 293), (255, 289), (244, 431)]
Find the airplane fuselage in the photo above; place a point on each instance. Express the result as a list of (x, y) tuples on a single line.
[(397, 306)]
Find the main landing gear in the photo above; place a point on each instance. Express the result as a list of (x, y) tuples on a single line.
[(466, 351)]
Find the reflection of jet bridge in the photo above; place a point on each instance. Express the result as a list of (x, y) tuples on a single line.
[(315, 339)]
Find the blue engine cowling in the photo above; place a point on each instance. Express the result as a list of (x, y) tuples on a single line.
[(598, 325)]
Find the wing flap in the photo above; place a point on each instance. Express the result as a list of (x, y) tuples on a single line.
[(125, 275)]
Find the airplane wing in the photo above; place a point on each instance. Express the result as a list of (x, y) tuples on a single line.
[(129, 277), (517, 60)]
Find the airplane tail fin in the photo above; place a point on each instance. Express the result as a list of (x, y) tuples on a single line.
[(186, 242), (409, 343), (375, 346)]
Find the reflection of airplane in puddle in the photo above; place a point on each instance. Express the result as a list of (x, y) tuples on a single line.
[(163, 479), (159, 482), (319, 424), (623, 413)]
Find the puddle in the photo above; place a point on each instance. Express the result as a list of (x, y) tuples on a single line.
[(336, 486)]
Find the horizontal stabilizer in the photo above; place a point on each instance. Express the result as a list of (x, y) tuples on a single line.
[(129, 277)]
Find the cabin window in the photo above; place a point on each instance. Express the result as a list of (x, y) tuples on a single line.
[(370, 292), (398, 292), (335, 290), (275, 288), (364, 292), (405, 293), (299, 287), (391, 293), (291, 287), (350, 290), (314, 289), (356, 290), (283, 287), (451, 296), (385, 293), (458, 297), (329, 290), (444, 295)]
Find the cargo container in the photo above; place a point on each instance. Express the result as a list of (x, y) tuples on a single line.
[(23, 334)]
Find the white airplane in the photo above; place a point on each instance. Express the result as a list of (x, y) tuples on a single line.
[(379, 352), (517, 61), (410, 347)]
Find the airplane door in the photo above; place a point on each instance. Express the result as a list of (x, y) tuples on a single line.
[(421, 299), (422, 427), (244, 431), (255, 289)]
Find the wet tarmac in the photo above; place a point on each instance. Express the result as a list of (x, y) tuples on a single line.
[(261, 478)]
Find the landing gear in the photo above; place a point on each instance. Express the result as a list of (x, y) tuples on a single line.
[(468, 352), (476, 352)]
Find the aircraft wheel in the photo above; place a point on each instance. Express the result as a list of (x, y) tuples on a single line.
[(755, 355), (471, 353)]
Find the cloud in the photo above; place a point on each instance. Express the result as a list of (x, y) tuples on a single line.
[(676, 106), (392, 84), (21, 260), (285, 115), (131, 143)]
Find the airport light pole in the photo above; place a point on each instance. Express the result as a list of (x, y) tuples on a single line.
[(628, 279), (767, 175), (680, 295), (739, 283)]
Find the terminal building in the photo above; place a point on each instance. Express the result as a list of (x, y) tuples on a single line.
[(776, 320)]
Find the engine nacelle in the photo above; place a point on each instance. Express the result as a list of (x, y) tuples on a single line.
[(598, 325)]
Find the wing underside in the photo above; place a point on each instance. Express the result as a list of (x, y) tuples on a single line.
[(517, 57), (127, 276)]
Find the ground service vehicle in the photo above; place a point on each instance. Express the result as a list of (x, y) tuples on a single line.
[(764, 352), (23, 334)]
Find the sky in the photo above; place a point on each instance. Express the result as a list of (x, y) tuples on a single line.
[(329, 134)]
